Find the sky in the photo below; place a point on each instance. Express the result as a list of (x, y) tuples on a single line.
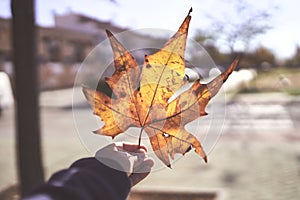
[(282, 39)]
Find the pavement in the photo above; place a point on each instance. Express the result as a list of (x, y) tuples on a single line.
[(256, 157)]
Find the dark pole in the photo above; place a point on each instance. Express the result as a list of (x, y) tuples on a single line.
[(30, 170)]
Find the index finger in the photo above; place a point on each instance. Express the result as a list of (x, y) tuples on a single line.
[(133, 147)]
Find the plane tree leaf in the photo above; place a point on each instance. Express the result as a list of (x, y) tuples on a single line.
[(140, 97)]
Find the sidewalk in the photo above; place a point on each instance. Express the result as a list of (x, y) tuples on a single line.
[(60, 143)]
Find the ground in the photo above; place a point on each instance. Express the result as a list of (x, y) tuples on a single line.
[(281, 79), (247, 162)]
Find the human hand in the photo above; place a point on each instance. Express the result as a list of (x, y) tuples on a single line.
[(128, 158)]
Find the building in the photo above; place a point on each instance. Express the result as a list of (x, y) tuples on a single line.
[(68, 41), (62, 47), (80, 23)]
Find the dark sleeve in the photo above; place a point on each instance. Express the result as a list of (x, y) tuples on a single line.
[(86, 179)]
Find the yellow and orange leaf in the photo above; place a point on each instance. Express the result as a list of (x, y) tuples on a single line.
[(141, 97)]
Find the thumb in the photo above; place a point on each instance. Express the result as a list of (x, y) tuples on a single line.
[(141, 172)]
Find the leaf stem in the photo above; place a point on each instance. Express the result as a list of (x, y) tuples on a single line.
[(140, 138)]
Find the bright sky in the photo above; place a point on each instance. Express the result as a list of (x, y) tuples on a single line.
[(168, 14)]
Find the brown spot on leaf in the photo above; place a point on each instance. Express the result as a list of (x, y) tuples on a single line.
[(122, 94), (122, 68), (169, 90), (148, 66)]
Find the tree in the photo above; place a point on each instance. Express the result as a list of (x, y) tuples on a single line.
[(240, 25), (263, 55), (261, 58), (294, 61), (30, 171)]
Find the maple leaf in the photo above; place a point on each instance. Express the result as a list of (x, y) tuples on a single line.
[(140, 97)]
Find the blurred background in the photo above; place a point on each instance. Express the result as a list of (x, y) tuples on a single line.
[(258, 153)]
